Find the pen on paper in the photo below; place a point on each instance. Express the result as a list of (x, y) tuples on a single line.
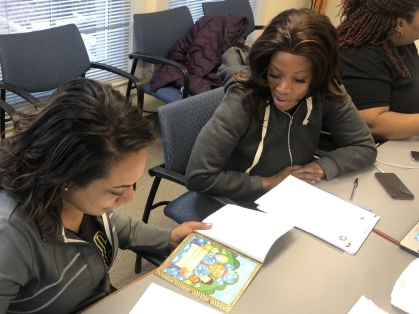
[(354, 189)]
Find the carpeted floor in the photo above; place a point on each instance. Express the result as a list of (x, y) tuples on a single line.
[(122, 271)]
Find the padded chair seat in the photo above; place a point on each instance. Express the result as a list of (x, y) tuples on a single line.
[(180, 210), (167, 94)]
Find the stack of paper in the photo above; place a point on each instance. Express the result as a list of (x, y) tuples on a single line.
[(320, 213)]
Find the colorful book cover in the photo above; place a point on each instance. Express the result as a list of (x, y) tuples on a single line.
[(209, 270)]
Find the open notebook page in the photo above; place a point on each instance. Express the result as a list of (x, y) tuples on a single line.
[(320, 213), (247, 231)]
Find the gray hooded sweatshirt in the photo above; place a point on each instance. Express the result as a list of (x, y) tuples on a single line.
[(226, 146), (62, 274)]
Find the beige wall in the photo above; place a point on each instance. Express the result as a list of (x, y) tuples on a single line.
[(332, 11)]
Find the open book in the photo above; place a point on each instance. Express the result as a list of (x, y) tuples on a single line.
[(218, 264), (326, 216)]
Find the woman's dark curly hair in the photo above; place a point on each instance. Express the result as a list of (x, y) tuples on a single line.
[(77, 136), (301, 32), (372, 22)]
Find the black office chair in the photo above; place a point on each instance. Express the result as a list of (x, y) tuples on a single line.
[(230, 7), (43, 60), (180, 124), (156, 33)]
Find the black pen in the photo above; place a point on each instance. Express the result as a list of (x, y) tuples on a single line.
[(354, 189)]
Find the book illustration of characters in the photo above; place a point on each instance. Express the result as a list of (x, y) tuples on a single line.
[(210, 268)]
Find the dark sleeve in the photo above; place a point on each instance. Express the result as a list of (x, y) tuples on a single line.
[(367, 76), (15, 264), (218, 138), (356, 146), (138, 236)]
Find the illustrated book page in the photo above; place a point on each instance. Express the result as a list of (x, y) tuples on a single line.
[(209, 270)]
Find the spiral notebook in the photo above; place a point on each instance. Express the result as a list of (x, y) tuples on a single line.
[(335, 220)]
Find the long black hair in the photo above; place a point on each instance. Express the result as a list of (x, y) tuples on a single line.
[(84, 129), (301, 32)]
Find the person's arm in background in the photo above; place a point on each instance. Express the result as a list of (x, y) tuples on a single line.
[(310, 173), (368, 76), (218, 138), (356, 146), (388, 125)]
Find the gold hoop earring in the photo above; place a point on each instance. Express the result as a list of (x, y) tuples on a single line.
[(399, 33)]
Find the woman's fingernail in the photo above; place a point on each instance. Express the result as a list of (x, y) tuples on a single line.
[(208, 223)]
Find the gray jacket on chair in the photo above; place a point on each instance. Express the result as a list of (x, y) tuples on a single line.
[(63, 274), (227, 144)]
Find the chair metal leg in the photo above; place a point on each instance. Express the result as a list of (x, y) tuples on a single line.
[(3, 115), (138, 264), (146, 215), (3, 124), (150, 199)]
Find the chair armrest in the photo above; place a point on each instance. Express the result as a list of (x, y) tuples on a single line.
[(161, 172), (18, 91), (167, 174), (223, 200), (153, 258), (9, 109), (132, 79), (160, 60)]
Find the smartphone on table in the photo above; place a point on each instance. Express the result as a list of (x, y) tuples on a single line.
[(394, 186)]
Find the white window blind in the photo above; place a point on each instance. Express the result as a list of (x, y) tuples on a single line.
[(103, 24), (196, 8)]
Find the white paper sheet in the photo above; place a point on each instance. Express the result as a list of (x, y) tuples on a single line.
[(406, 288), (247, 231), (320, 213), (364, 306), (157, 299)]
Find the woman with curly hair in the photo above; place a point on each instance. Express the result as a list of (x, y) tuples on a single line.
[(380, 64), (275, 105)]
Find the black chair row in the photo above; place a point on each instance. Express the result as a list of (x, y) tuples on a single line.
[(43, 60)]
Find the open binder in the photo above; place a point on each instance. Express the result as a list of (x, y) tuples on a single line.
[(335, 220)]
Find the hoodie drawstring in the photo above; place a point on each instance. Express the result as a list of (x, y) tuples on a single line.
[(265, 128)]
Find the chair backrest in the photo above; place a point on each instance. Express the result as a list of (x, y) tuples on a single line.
[(156, 32), (180, 124), (43, 60), (230, 7)]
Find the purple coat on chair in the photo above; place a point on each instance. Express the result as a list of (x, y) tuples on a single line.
[(200, 52)]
